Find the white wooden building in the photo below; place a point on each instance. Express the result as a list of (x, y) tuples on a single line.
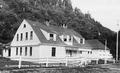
[(35, 41), (99, 50)]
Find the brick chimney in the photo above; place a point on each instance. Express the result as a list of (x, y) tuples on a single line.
[(64, 25), (47, 22)]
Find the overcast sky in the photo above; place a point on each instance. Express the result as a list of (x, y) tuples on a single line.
[(107, 12)]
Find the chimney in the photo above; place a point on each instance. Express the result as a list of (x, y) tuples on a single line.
[(64, 25), (47, 22)]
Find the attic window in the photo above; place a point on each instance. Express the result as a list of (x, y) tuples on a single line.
[(31, 35), (24, 25), (17, 37)]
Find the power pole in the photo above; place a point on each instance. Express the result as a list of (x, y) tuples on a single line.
[(117, 43), (105, 51), (117, 46)]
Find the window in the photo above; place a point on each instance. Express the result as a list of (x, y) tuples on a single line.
[(20, 50), (21, 36), (30, 51), (53, 51), (69, 52), (31, 35), (25, 51), (26, 35), (16, 50), (89, 52), (51, 35), (17, 37), (9, 52), (80, 52), (24, 25), (65, 39), (70, 38), (81, 41)]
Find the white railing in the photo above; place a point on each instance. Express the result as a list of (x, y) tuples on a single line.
[(68, 61)]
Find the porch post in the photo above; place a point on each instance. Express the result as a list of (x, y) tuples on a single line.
[(97, 61), (66, 61), (46, 62), (105, 61), (19, 65)]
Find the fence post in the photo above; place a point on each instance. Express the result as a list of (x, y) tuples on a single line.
[(66, 61), (113, 60), (46, 62), (97, 61), (19, 65), (105, 61)]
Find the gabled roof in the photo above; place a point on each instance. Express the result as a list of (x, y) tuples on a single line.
[(51, 29), (37, 26), (95, 44)]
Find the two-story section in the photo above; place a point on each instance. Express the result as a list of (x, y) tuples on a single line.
[(40, 40), (24, 42)]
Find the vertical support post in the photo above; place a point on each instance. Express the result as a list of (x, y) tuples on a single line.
[(97, 61), (117, 46), (46, 62), (20, 59), (66, 64), (105, 60), (113, 60)]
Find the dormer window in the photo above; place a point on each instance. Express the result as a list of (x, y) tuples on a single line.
[(81, 41), (65, 39), (51, 36), (70, 38), (24, 26)]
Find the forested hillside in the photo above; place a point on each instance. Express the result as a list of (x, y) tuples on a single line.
[(59, 12)]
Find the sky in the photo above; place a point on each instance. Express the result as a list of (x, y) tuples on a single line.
[(107, 12)]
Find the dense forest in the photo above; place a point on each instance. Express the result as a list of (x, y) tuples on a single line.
[(58, 12)]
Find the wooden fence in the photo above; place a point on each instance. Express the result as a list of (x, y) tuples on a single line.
[(67, 61)]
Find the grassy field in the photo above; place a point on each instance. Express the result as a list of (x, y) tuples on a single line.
[(69, 70)]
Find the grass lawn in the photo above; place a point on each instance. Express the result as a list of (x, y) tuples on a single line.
[(6, 63)]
